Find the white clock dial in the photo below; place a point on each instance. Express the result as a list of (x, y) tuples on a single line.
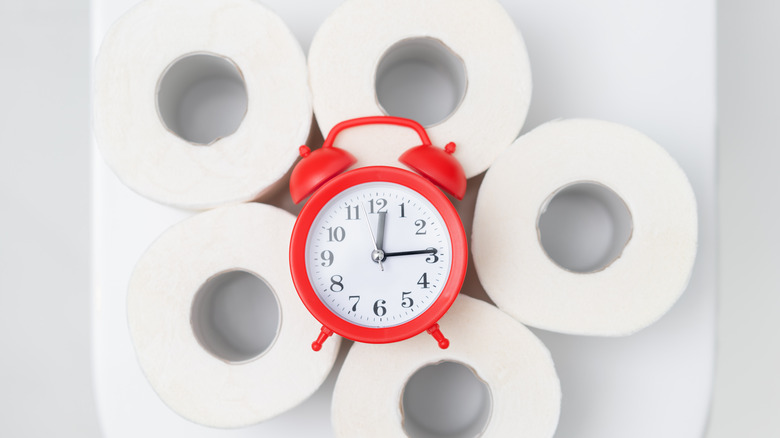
[(378, 254)]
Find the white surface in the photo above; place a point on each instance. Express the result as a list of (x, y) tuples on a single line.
[(746, 400), (45, 371), (54, 163), (603, 59)]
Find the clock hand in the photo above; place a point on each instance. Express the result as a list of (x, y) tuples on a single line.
[(380, 232), (406, 253), (376, 255)]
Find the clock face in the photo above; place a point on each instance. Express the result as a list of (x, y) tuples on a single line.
[(378, 254)]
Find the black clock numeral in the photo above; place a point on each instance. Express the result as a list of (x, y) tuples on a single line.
[(420, 223), (338, 234), (402, 209), (357, 300), (379, 308), (327, 256), (432, 258), (406, 302), (423, 281), (349, 212), (336, 284), (381, 204)]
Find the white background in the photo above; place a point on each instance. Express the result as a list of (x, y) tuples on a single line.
[(45, 366), (45, 374)]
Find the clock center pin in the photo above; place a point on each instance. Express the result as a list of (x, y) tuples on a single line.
[(377, 255)]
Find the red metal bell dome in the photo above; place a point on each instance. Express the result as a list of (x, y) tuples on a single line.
[(438, 166), (316, 168)]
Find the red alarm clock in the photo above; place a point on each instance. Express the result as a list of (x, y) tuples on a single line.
[(378, 254)]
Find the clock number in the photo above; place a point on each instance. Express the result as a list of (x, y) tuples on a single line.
[(357, 300), (420, 223), (432, 258), (423, 281), (379, 308), (328, 257), (338, 234), (381, 203), (402, 209), (349, 212), (335, 283), (406, 302)]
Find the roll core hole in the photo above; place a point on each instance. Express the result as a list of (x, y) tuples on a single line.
[(202, 97), (584, 227), (235, 316), (420, 79), (446, 399)]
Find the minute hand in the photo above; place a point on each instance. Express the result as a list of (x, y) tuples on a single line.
[(406, 253), (380, 230)]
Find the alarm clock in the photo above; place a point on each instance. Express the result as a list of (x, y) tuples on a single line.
[(378, 254)]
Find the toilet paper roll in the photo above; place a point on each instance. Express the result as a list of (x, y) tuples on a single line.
[(196, 373), (626, 295), (524, 390), (475, 41), (238, 42)]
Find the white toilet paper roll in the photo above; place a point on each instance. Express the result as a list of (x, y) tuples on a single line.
[(638, 283), (153, 64), (524, 391), (474, 42), (180, 342)]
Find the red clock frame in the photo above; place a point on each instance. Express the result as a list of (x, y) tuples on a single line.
[(427, 320)]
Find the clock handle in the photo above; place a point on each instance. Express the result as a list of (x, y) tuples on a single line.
[(437, 165), (319, 166), (325, 333), (376, 120), (436, 333)]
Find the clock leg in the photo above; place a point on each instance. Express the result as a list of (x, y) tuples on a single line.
[(436, 333), (324, 335)]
